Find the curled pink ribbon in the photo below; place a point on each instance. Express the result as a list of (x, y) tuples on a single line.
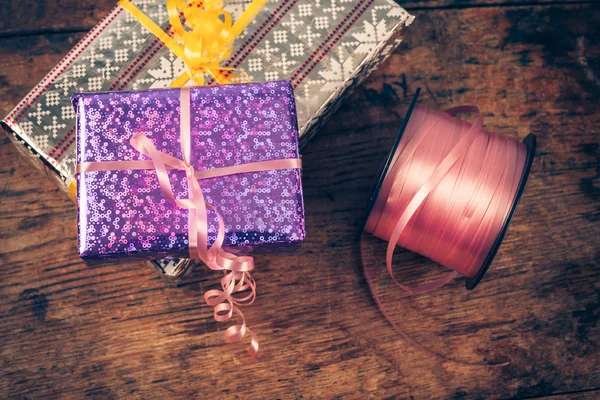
[(236, 269)]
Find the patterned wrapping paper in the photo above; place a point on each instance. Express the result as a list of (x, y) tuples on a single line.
[(124, 214), (324, 47)]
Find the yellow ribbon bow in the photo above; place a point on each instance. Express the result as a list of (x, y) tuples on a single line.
[(204, 40)]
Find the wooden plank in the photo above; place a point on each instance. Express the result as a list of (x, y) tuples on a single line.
[(31, 16), (72, 331)]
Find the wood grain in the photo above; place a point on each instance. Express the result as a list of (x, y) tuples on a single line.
[(69, 331)]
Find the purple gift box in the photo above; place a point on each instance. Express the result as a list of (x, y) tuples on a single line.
[(124, 213)]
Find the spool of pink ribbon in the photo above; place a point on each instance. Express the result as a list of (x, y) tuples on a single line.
[(447, 191)]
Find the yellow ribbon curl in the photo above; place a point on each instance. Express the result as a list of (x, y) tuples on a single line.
[(204, 40)]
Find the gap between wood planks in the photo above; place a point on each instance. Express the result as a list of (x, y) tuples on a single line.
[(533, 3), (547, 396)]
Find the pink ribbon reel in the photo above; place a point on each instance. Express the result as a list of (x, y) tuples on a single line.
[(471, 281)]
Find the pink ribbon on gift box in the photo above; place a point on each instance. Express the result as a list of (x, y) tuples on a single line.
[(236, 269)]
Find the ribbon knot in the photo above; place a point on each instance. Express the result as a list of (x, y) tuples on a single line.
[(203, 40), (189, 170), (237, 285)]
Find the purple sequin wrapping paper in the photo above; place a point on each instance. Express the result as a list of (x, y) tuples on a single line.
[(124, 213)]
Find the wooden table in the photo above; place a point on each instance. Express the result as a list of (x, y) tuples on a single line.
[(69, 331)]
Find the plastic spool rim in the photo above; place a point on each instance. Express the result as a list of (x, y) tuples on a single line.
[(388, 161), (529, 142)]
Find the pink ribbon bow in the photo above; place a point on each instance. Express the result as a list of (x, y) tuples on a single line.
[(236, 269)]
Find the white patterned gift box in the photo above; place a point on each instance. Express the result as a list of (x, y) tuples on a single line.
[(324, 47)]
